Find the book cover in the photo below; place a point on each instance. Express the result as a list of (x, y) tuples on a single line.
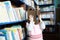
[(9, 10), (12, 33), (9, 35), (18, 14), (3, 13), (15, 14), (27, 2), (16, 34), (22, 13), (3, 35), (19, 30)]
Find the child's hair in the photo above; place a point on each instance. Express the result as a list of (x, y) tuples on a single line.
[(35, 17)]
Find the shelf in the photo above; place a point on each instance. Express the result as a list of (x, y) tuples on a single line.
[(46, 5), (45, 19), (50, 25), (8, 24), (46, 11), (2, 35)]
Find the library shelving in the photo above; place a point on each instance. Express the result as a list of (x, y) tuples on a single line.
[(9, 24), (47, 7)]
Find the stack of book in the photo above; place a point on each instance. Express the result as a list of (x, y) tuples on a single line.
[(13, 33), (9, 14)]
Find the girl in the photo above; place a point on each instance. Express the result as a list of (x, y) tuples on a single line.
[(35, 28)]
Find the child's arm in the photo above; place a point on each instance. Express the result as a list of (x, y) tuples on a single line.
[(42, 24)]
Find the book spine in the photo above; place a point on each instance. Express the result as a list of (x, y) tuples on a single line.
[(16, 34), (13, 35)]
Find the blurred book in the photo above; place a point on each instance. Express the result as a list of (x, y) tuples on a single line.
[(49, 8), (2, 38), (3, 13), (48, 15), (49, 22), (43, 2), (3, 35), (9, 10), (22, 13), (18, 14), (14, 33), (27, 2)]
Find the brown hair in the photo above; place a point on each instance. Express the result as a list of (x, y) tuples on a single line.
[(33, 13)]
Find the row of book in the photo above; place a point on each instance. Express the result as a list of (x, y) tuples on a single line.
[(41, 2), (10, 14), (49, 8), (47, 15), (29, 3), (49, 18), (13, 33), (49, 22)]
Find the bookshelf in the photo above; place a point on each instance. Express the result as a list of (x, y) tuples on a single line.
[(13, 21), (22, 22), (12, 26), (47, 9)]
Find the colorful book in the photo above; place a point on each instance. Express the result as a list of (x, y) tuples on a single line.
[(15, 14), (19, 30), (3, 13), (18, 14), (9, 35), (9, 10), (3, 35), (22, 13), (16, 35)]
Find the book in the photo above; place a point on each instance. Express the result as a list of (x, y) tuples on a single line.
[(19, 30), (8, 34), (18, 14), (9, 10), (2, 38), (22, 13), (3, 35), (37, 2), (32, 4), (15, 14), (3, 13), (14, 33), (27, 2)]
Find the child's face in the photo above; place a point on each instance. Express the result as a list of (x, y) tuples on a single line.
[(30, 17)]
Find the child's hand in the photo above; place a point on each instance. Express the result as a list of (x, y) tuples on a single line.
[(40, 18)]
